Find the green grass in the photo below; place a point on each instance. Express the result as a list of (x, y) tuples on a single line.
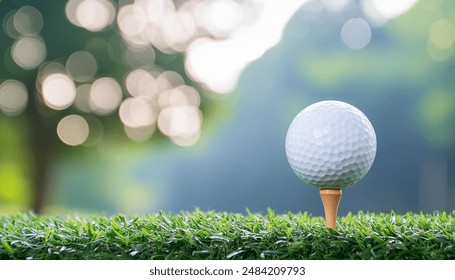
[(210, 235)]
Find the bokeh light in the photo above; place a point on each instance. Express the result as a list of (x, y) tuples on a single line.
[(380, 11), (13, 97), (438, 54), (140, 82), (156, 10), (8, 25), (161, 95), (137, 112), (131, 20), (441, 40), (93, 15), (169, 79), (45, 69), (158, 13), (235, 39), (217, 64), (25, 21), (186, 140), (219, 17), (143, 57), (59, 91), (96, 131), (212, 64), (182, 124), (28, 20), (336, 5), (442, 34), (105, 96), (29, 52), (356, 33), (81, 66), (73, 130), (140, 134), (70, 11), (82, 100), (177, 30), (179, 96)]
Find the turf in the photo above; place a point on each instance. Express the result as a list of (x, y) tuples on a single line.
[(211, 235)]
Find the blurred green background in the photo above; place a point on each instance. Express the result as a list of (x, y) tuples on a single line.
[(140, 106)]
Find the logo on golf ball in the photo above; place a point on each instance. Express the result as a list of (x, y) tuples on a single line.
[(331, 145)]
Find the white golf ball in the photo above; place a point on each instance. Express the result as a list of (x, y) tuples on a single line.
[(330, 145)]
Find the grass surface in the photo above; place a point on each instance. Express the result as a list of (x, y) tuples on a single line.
[(208, 235)]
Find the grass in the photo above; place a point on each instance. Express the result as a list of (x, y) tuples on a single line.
[(210, 235)]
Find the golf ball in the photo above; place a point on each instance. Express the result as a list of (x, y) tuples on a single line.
[(330, 145)]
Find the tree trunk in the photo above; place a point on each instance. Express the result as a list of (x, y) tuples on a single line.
[(42, 142), (40, 161)]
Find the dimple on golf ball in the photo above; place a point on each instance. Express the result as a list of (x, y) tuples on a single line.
[(331, 145)]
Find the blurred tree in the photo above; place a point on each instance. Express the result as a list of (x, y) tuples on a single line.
[(76, 70)]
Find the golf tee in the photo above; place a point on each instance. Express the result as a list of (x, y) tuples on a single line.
[(330, 200)]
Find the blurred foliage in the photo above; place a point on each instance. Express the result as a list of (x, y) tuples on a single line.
[(36, 136), (436, 117), (401, 79), (14, 186)]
